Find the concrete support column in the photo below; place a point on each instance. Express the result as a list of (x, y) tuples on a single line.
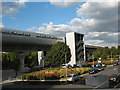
[(84, 53), (88, 57), (40, 58), (21, 57)]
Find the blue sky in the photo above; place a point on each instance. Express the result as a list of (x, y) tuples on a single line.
[(98, 21), (36, 13)]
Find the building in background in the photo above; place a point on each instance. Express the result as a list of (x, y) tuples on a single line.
[(75, 41), (89, 49)]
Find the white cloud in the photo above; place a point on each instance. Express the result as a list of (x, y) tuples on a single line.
[(65, 3), (1, 25), (101, 16), (83, 25), (41, 28), (22, 1), (95, 42), (76, 22), (108, 38), (91, 38), (11, 8), (13, 18), (99, 23), (50, 28), (33, 28)]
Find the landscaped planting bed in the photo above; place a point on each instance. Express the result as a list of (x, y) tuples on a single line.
[(54, 73), (108, 62)]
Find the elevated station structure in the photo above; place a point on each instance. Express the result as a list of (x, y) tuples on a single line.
[(22, 41)]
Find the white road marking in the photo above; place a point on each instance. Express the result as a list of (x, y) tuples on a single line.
[(117, 85), (114, 68), (101, 84), (84, 74)]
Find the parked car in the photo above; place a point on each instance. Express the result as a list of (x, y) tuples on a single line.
[(118, 62), (103, 65), (114, 78), (69, 66), (97, 65), (115, 64), (93, 70), (73, 77), (64, 66), (77, 66), (100, 68), (93, 65)]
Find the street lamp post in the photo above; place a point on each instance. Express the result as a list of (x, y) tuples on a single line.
[(66, 67), (43, 64), (111, 57), (119, 59), (79, 61), (93, 61)]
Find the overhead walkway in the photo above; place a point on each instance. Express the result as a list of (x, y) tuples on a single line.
[(23, 41)]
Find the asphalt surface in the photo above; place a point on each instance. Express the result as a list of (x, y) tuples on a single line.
[(100, 79), (117, 86)]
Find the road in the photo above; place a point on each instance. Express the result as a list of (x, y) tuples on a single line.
[(117, 86), (100, 80)]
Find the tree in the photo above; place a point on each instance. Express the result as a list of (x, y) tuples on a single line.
[(98, 53), (114, 51), (15, 63), (56, 55), (107, 50), (5, 60), (105, 53), (31, 59), (118, 49), (10, 60)]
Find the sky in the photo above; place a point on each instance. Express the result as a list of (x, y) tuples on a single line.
[(97, 20)]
